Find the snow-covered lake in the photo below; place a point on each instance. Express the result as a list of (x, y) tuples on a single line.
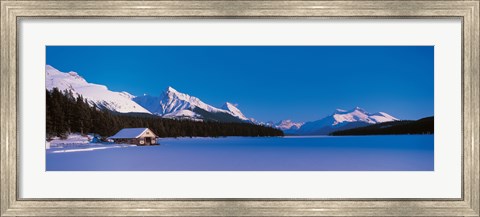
[(348, 153)]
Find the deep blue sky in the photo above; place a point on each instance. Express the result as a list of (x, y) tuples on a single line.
[(269, 83)]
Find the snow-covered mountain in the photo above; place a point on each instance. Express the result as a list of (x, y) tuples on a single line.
[(93, 93), (174, 104), (184, 114), (234, 110), (358, 114), (342, 120), (288, 125), (170, 104)]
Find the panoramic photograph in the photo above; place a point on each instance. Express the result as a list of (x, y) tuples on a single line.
[(239, 108)]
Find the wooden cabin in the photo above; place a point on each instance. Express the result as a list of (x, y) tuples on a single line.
[(136, 136)]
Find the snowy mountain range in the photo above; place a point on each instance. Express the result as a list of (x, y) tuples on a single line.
[(288, 126), (170, 104), (94, 93), (234, 110), (343, 120), (176, 105)]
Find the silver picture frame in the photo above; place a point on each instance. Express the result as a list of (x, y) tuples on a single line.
[(12, 11)]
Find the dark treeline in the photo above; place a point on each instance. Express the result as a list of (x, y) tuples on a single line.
[(67, 113), (421, 126)]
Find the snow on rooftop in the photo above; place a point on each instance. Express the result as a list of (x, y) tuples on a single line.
[(129, 133)]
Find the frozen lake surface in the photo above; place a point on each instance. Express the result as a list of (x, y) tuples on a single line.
[(322, 153)]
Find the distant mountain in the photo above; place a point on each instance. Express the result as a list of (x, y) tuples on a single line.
[(421, 126), (94, 93), (343, 120), (288, 126), (174, 104)]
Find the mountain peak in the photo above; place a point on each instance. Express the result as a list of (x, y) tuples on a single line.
[(95, 94), (342, 119), (339, 111), (358, 109), (288, 125), (170, 93), (174, 104), (359, 114), (49, 67), (76, 76), (170, 89), (232, 108), (228, 104), (286, 121), (51, 71)]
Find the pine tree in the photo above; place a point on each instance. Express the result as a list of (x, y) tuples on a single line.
[(66, 114)]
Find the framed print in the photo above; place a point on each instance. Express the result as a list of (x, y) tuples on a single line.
[(239, 108)]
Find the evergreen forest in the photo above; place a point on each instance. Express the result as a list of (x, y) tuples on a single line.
[(67, 113)]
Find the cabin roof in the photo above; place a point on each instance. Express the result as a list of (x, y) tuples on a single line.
[(127, 133)]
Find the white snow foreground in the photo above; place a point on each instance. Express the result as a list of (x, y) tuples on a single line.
[(79, 143), (93, 93), (86, 147)]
